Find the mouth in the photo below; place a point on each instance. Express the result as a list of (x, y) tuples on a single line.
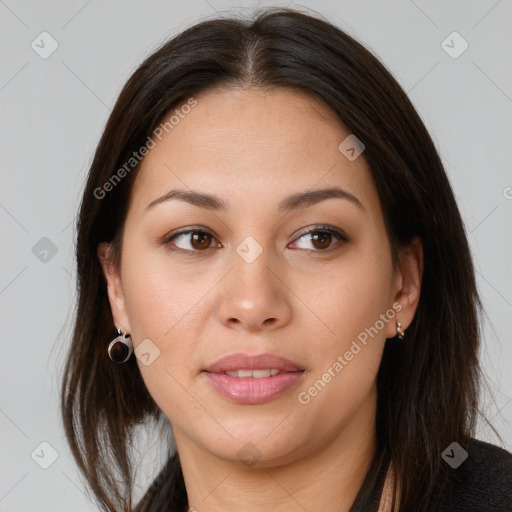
[(255, 374), (241, 362), (253, 379)]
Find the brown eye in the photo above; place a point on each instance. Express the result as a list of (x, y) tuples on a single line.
[(192, 240), (200, 240), (321, 239)]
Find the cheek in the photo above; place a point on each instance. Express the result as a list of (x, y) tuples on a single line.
[(355, 310), (157, 297), (352, 294), (160, 307), (348, 354)]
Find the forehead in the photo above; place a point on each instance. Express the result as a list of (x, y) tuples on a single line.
[(251, 142)]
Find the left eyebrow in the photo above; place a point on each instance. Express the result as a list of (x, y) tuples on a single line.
[(311, 197)]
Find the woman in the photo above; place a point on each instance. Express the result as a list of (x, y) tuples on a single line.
[(269, 229)]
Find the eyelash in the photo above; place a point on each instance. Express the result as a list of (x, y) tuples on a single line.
[(322, 228)]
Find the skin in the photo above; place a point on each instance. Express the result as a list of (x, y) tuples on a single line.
[(252, 149)]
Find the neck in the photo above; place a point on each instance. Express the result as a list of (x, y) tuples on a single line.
[(326, 479)]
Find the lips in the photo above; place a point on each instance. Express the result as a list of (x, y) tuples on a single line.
[(253, 379), (255, 374), (241, 361)]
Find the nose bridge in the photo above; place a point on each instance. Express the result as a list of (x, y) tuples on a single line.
[(252, 296), (252, 277)]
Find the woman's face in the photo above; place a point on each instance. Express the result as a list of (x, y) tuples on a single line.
[(259, 272)]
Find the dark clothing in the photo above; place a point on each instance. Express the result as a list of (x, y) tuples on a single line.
[(483, 482)]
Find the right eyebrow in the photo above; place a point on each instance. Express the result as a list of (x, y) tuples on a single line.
[(201, 199)]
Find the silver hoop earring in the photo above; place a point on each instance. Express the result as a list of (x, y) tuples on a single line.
[(399, 331), (120, 348)]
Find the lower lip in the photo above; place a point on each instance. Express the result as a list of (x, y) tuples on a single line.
[(251, 391)]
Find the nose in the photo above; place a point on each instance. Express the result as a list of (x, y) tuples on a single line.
[(253, 296)]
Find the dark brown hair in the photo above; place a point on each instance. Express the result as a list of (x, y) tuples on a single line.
[(428, 386)]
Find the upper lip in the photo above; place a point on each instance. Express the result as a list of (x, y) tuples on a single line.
[(241, 361)]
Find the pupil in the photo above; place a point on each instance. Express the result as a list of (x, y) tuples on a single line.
[(322, 237), (201, 238)]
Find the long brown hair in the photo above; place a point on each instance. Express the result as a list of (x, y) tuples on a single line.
[(428, 386)]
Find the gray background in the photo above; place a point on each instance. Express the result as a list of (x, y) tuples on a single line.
[(53, 111)]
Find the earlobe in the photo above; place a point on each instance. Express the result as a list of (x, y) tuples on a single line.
[(410, 273), (114, 287)]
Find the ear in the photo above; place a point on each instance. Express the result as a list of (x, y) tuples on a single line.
[(407, 285), (114, 288)]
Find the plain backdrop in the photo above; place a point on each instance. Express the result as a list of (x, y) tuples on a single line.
[(54, 109)]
